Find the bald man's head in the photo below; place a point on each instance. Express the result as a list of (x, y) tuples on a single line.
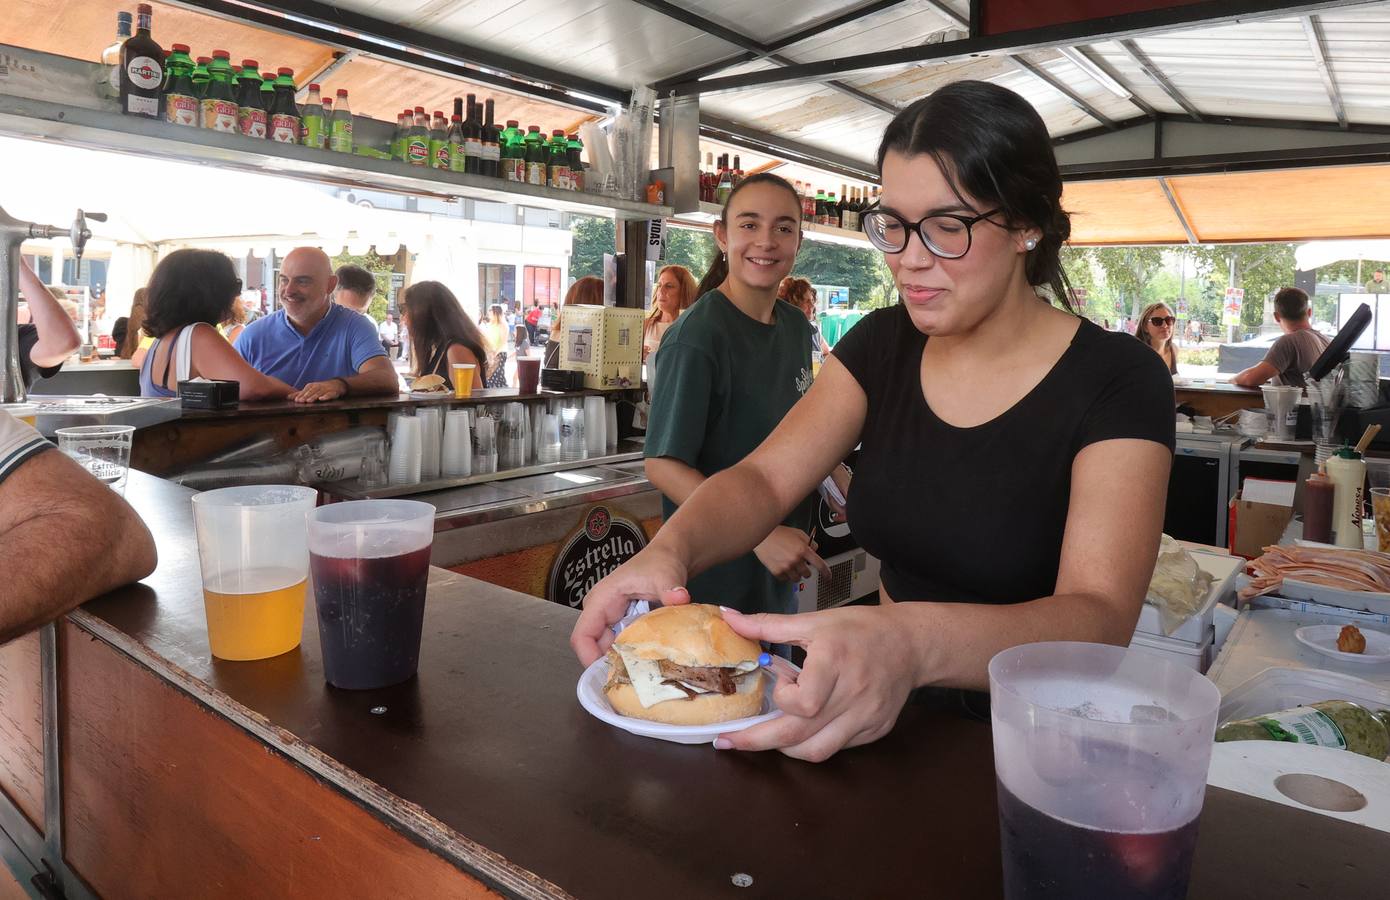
[(306, 283)]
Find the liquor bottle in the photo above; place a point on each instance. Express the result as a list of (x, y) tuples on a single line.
[(472, 138), (512, 153), (458, 161), (492, 142), (284, 119), (250, 101), (340, 127), (535, 156), (179, 102), (142, 69), (200, 75), (738, 170), (576, 148), (109, 77), (219, 104), (439, 142), (312, 123), (417, 140), (725, 186), (557, 161)]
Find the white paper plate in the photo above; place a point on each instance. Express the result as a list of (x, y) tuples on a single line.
[(590, 691), (1323, 639), (432, 395)]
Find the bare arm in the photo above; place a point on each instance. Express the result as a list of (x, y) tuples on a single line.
[(58, 337), (1256, 375), (375, 376), (64, 538), (213, 357), (673, 478)]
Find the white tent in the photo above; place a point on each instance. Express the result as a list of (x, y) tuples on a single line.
[(1320, 253)]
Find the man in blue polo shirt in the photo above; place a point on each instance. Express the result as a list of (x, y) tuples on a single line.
[(325, 350)]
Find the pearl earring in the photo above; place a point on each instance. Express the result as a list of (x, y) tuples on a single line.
[(1030, 244)]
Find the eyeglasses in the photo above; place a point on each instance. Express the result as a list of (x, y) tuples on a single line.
[(1160, 321), (947, 236)]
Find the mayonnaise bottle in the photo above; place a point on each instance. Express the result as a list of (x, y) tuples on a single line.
[(1347, 470)]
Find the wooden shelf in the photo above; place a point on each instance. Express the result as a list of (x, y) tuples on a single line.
[(99, 129)]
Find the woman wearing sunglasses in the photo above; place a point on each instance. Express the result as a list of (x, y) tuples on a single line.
[(1000, 437), (1156, 329)]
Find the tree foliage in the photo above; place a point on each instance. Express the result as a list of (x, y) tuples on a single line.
[(592, 238), (1261, 269)]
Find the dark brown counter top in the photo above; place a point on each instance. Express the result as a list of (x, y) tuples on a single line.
[(514, 780), (1217, 387), (385, 401)]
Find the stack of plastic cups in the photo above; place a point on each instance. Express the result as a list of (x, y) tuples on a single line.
[(572, 445), (529, 450), (610, 431), (595, 420), (538, 411), (458, 445), (431, 436), (1363, 380), (484, 446), (1325, 403), (548, 439), (511, 437), (405, 451)]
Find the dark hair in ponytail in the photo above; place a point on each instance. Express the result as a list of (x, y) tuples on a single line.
[(719, 268), (991, 144)]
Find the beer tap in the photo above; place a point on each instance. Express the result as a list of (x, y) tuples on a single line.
[(13, 233)]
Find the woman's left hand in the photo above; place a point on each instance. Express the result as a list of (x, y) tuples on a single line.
[(859, 670)]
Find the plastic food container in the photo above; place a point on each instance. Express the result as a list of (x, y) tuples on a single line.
[(1279, 688), (1191, 655), (1223, 570)]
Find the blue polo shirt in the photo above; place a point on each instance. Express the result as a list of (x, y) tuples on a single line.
[(335, 348)]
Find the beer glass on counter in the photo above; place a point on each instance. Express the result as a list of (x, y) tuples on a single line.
[(371, 563), (254, 554)]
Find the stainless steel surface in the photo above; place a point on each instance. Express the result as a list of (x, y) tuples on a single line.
[(477, 495), (13, 232), (142, 412), (571, 480)]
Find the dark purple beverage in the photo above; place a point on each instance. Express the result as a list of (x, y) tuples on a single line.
[(1048, 858), (371, 612)]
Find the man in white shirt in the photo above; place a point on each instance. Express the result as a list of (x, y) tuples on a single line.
[(64, 536), (390, 335)]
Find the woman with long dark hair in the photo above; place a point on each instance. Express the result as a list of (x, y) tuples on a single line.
[(997, 430), (1155, 328), (441, 333), (190, 293)]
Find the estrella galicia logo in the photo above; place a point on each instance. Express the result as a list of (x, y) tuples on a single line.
[(601, 544)]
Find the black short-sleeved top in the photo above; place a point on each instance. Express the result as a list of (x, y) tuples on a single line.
[(977, 514), (28, 337)]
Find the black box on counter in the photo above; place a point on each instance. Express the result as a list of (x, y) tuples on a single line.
[(209, 394), (562, 380)]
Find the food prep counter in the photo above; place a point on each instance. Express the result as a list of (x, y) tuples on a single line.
[(183, 775), (1216, 398)]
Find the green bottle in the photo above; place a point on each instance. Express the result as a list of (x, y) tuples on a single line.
[(178, 98), (417, 140), (535, 156), (439, 142), (251, 100), (200, 76), (513, 153), (458, 160), (312, 124), (219, 104), (340, 128), (285, 123), (267, 96), (398, 136), (576, 150), (557, 161)]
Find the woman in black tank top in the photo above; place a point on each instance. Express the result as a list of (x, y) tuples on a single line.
[(441, 333)]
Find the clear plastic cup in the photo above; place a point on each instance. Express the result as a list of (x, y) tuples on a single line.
[(371, 563), (463, 380), (1101, 755), (103, 450), (528, 374), (254, 556)]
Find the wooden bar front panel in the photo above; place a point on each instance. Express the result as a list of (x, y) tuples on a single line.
[(163, 798), (21, 726)]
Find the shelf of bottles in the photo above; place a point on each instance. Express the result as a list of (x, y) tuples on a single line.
[(169, 104)]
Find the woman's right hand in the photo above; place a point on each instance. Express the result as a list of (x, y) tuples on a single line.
[(789, 554), (652, 574)]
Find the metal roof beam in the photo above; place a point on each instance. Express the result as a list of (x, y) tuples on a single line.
[(1318, 44), (1116, 27), (1114, 76), (714, 29), (1178, 211), (739, 135), (1076, 99), (345, 30), (1157, 77), (796, 37)]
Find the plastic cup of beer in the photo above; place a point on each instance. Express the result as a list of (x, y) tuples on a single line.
[(254, 552), (371, 563), (463, 380), (103, 450), (528, 373), (1101, 758)]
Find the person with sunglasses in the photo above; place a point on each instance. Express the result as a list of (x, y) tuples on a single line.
[(1000, 436), (1155, 328), (192, 288)]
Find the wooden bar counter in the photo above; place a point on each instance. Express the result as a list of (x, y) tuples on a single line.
[(1219, 398), (187, 776)]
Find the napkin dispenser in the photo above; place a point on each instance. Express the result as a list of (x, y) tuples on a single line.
[(207, 394)]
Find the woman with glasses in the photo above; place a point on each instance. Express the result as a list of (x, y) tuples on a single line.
[(1000, 436), (1156, 329), (189, 289)]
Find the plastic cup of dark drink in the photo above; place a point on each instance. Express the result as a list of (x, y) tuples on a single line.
[(528, 374), (1101, 757), (370, 561)]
